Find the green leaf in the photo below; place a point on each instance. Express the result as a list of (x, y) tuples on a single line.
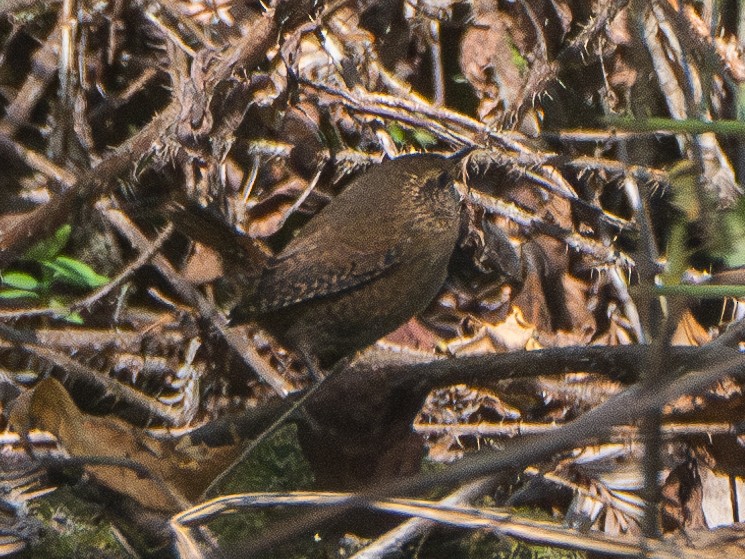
[(20, 280), (397, 133), (73, 318), (75, 273), (424, 138), (65, 313), (518, 60), (677, 255), (17, 294), (734, 254), (727, 240), (51, 247), (684, 180)]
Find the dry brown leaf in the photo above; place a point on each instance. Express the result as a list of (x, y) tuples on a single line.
[(512, 334), (179, 475), (689, 332), (487, 63), (203, 266), (583, 325), (413, 335), (683, 494), (267, 217)]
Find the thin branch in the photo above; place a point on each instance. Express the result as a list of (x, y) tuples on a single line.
[(603, 254), (128, 270), (138, 401), (624, 433), (204, 308), (595, 425), (501, 522)]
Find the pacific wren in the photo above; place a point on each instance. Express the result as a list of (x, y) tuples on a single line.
[(375, 256)]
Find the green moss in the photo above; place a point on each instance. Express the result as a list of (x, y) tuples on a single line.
[(483, 544), (276, 465), (72, 530)]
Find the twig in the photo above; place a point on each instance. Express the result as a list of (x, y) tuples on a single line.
[(510, 429), (499, 521), (438, 74), (204, 308), (545, 74), (603, 254), (595, 425), (90, 376), (396, 539), (42, 73), (99, 180), (128, 270), (276, 424), (247, 52), (9, 6)]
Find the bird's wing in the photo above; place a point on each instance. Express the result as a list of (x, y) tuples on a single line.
[(296, 277)]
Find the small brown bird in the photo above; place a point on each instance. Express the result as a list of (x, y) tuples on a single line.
[(373, 258)]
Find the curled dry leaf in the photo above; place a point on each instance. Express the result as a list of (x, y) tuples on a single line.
[(487, 61), (178, 473), (514, 333), (689, 332), (267, 217)]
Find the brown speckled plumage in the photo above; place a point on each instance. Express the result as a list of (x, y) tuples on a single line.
[(373, 258)]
